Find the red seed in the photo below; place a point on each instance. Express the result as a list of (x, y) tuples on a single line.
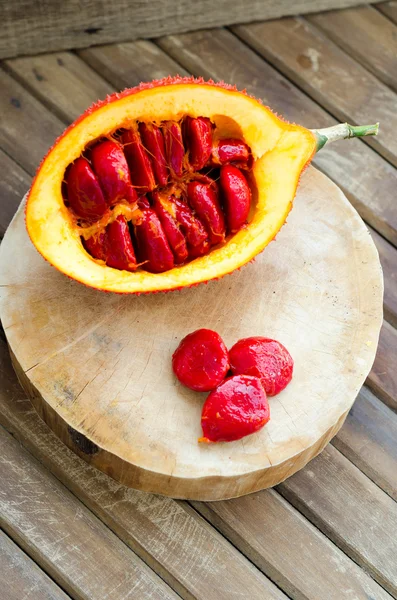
[(236, 408), (153, 141), (201, 361), (120, 253), (138, 161), (165, 210), (111, 169), (85, 196), (196, 235), (236, 196), (199, 141), (231, 151), (153, 246), (174, 149), (203, 198), (264, 358), (96, 245)]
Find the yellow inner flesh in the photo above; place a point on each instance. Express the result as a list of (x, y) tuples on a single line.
[(280, 152)]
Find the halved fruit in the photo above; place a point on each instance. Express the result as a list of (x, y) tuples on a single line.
[(167, 185)]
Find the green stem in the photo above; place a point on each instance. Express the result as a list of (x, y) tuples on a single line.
[(343, 131)]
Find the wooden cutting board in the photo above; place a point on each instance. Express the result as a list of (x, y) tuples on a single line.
[(97, 366)]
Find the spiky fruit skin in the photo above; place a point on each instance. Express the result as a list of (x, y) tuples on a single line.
[(277, 147)]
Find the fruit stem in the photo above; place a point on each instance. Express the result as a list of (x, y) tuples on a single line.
[(342, 131)]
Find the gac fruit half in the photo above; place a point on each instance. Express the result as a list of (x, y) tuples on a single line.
[(169, 184)]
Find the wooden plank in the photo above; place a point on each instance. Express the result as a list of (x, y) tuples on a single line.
[(365, 34), (27, 128), (368, 180), (30, 28), (188, 553), (388, 259), (279, 540), (21, 578), (126, 65), (63, 537), (329, 75), (389, 9), (351, 510), (51, 77), (383, 377), (14, 183), (368, 439)]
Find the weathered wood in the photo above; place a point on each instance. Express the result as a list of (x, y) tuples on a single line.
[(350, 509), (30, 28), (368, 439), (284, 544), (190, 555), (14, 182), (383, 377), (365, 34), (115, 396), (126, 65), (63, 537), (388, 259), (389, 9), (367, 179), (21, 578), (27, 128), (61, 81), (329, 75)]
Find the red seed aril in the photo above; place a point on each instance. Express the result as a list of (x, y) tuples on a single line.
[(228, 151), (85, 195), (201, 360), (120, 251), (153, 246), (203, 198), (165, 210), (265, 358), (236, 408), (196, 235), (174, 148), (96, 245), (142, 176), (153, 141), (198, 138), (110, 166), (236, 197)]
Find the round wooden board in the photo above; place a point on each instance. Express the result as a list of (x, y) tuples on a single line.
[(97, 366)]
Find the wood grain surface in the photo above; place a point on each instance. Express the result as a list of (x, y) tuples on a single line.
[(64, 538), (30, 28), (383, 377), (389, 9), (116, 395), (22, 578), (366, 35), (353, 512), (169, 535)]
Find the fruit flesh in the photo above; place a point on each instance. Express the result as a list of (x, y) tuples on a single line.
[(201, 360), (279, 152), (264, 358), (235, 409)]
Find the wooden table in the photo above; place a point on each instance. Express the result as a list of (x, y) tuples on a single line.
[(330, 531)]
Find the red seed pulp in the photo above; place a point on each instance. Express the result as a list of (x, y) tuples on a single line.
[(159, 178)]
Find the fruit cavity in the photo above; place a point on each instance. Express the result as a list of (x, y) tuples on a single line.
[(164, 193)]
